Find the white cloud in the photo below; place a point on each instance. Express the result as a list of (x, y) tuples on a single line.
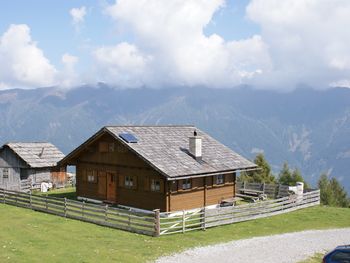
[(257, 151), (344, 83), (308, 40), (121, 64), (69, 77), (171, 34), (23, 63), (78, 15), (69, 61)]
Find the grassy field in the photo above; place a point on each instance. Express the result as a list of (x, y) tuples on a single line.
[(28, 236)]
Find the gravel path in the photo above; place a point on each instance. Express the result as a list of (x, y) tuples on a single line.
[(291, 247)]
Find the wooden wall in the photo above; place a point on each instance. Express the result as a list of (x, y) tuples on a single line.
[(59, 176), (98, 159), (204, 192), (13, 163)]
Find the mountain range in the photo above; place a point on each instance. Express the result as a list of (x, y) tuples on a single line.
[(310, 129)]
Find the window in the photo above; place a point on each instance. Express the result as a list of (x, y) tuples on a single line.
[(219, 179), (92, 176), (155, 185), (111, 147), (341, 256), (5, 173), (186, 184), (129, 181)]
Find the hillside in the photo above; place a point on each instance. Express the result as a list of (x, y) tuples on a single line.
[(310, 129)]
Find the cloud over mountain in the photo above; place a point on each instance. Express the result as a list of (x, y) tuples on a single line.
[(308, 40), (172, 35), (23, 64), (160, 43)]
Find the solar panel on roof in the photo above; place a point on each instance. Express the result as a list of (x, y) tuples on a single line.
[(128, 137)]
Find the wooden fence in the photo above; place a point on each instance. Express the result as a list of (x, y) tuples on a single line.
[(154, 223), (271, 190), (183, 221), (141, 222)]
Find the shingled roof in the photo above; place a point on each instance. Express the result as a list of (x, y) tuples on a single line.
[(166, 149), (37, 154)]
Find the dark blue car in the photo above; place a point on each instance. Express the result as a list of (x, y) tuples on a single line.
[(340, 254)]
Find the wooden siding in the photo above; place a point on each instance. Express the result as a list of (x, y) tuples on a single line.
[(59, 178), (186, 199), (9, 160), (204, 192), (107, 155)]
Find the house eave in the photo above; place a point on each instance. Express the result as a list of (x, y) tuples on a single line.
[(190, 176)]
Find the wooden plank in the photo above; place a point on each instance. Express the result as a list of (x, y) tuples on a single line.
[(131, 223), (122, 227), (146, 218)]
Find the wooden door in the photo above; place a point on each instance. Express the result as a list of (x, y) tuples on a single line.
[(112, 186)]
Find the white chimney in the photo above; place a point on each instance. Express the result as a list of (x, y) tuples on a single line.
[(195, 146)]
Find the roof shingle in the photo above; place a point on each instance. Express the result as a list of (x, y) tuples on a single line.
[(166, 148), (37, 154)]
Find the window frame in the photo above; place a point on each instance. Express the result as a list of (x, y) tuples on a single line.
[(155, 185), (7, 173), (219, 179), (128, 181), (186, 184), (111, 147), (91, 176)]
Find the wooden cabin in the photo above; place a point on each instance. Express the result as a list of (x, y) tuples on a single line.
[(24, 165), (155, 167)]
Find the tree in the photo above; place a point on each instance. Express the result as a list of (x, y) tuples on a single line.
[(285, 175), (263, 175), (332, 192), (326, 193), (289, 177)]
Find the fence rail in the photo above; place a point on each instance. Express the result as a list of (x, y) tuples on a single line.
[(154, 223), (271, 190), (138, 222), (183, 221)]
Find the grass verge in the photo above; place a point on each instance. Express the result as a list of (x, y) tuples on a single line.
[(29, 236), (317, 258), (68, 192)]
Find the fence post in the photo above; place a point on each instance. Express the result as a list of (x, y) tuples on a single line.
[(47, 206), (82, 209), (65, 207), (183, 221), (156, 222), (263, 188), (203, 220), (30, 199), (106, 211)]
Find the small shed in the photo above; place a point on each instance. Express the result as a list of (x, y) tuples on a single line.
[(25, 165)]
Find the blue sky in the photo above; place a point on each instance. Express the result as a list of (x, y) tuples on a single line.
[(130, 43), (51, 24)]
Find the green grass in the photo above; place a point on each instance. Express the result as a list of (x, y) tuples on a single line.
[(28, 236), (317, 258), (68, 192)]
